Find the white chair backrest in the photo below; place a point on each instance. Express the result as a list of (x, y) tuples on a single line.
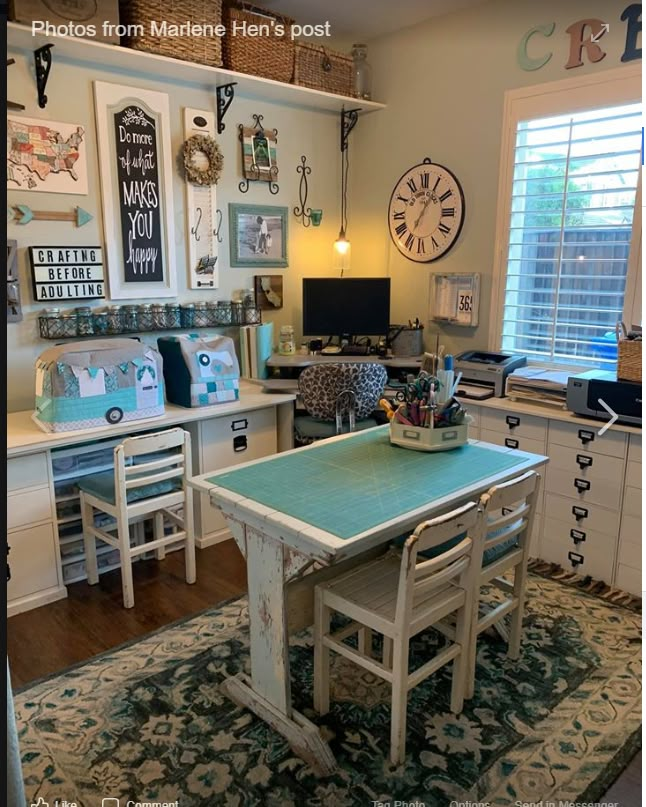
[(509, 510), (163, 463), (453, 565)]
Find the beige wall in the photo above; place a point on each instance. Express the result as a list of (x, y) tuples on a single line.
[(70, 93), (444, 83)]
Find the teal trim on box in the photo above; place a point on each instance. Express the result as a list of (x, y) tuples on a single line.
[(374, 481), (63, 410)]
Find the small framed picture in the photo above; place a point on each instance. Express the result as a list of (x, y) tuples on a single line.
[(259, 159), (269, 292), (257, 235)]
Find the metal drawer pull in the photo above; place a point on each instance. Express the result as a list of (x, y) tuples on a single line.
[(575, 559), (511, 443), (579, 513), (512, 421), (581, 484), (240, 443), (239, 425), (586, 436), (583, 461), (578, 536)]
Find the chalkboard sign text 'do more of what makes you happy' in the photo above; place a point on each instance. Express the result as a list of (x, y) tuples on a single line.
[(138, 177)]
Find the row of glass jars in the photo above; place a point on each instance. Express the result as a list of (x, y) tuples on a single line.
[(117, 319)]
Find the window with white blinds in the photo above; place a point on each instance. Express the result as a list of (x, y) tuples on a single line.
[(574, 184)]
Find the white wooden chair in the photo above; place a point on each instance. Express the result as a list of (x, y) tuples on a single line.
[(509, 516), (398, 597), (149, 480)]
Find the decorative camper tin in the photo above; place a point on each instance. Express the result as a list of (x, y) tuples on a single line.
[(200, 370), (82, 385)]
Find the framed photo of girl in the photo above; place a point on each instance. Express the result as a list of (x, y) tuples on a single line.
[(257, 235)]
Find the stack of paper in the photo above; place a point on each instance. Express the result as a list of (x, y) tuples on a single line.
[(538, 386), (256, 345)]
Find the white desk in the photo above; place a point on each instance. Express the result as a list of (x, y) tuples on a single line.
[(43, 527), (360, 477)]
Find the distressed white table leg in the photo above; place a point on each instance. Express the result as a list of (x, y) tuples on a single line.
[(267, 692), (285, 426)]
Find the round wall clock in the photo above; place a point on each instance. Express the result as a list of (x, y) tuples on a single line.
[(426, 212)]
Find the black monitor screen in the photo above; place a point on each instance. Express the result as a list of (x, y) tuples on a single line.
[(354, 306)]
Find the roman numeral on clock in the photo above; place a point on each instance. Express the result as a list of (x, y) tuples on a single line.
[(401, 199), (411, 184), (445, 196), (435, 244), (443, 228), (420, 247), (401, 229), (448, 211), (399, 215), (410, 241), (424, 178), (437, 182)]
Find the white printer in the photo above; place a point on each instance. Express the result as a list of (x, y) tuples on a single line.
[(484, 373)]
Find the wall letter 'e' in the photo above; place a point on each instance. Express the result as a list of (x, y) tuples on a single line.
[(578, 42), (524, 60), (633, 14)]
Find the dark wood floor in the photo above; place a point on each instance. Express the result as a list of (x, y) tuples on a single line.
[(92, 620)]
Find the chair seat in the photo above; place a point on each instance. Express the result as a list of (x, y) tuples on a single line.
[(374, 588), (102, 486), (316, 429)]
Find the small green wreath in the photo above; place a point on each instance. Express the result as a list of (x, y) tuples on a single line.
[(207, 146)]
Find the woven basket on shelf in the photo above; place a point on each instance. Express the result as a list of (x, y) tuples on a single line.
[(629, 362), (200, 49), (323, 69), (269, 56)]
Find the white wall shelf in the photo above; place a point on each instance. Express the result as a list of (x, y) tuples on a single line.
[(137, 63)]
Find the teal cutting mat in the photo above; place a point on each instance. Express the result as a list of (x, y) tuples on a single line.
[(352, 485)]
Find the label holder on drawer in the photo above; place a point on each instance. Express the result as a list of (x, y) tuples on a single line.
[(578, 536), (586, 436), (575, 559), (581, 484), (583, 461), (580, 512), (511, 443), (512, 421), (239, 425)]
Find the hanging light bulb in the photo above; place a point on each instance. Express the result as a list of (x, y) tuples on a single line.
[(342, 249), (341, 252)]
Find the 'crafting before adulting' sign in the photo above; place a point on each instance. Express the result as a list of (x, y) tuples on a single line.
[(67, 273), (139, 195)]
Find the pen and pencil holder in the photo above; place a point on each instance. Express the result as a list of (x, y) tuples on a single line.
[(427, 438)]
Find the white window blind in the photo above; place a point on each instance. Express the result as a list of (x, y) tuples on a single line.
[(574, 184)]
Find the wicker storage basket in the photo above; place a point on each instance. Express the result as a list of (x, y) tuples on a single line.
[(201, 49), (629, 362), (269, 56), (323, 69)]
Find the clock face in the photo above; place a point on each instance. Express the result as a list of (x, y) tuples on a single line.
[(426, 212)]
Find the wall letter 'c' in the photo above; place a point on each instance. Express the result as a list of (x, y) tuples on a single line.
[(525, 61)]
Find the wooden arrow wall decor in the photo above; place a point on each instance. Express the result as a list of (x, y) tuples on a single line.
[(22, 214)]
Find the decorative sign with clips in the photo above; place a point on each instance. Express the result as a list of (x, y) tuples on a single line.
[(67, 273)]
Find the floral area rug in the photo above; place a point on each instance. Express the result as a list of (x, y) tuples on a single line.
[(148, 722)]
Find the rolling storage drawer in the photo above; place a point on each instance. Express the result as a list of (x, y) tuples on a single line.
[(514, 425), (586, 438), (521, 443), (27, 472), (593, 555), (575, 515), (586, 465), (603, 491)]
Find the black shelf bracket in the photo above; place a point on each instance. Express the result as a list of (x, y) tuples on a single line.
[(225, 94), (349, 118), (43, 59)]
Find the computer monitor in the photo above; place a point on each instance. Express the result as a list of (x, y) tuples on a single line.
[(346, 306)]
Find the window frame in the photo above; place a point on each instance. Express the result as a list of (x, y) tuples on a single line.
[(621, 85)]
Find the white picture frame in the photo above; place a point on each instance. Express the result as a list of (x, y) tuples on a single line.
[(149, 218)]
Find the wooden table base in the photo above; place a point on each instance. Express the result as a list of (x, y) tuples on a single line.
[(302, 735)]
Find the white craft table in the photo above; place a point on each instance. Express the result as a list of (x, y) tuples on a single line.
[(312, 512)]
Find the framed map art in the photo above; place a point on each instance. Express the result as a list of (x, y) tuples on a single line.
[(136, 188)]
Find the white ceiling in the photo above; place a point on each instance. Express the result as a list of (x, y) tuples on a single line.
[(360, 20)]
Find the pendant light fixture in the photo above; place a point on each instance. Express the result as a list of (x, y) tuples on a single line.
[(342, 246)]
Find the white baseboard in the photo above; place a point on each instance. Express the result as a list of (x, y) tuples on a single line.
[(217, 537), (31, 601)]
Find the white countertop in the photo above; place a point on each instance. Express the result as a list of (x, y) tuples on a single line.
[(26, 437)]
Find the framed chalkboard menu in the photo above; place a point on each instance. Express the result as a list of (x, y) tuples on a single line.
[(136, 184)]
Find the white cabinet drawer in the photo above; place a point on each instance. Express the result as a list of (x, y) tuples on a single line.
[(27, 472), (605, 492), (634, 474), (635, 448), (521, 443), (231, 440), (629, 579), (632, 502), (582, 464), (630, 544), (594, 556), (578, 516), (28, 507), (33, 561), (586, 438), (514, 424)]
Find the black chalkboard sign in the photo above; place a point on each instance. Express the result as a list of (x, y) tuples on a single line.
[(139, 195)]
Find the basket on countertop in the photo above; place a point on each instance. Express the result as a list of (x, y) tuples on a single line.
[(629, 356), (268, 56), (201, 49), (323, 69)]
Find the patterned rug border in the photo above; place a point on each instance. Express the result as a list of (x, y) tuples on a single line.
[(585, 584), (618, 764)]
